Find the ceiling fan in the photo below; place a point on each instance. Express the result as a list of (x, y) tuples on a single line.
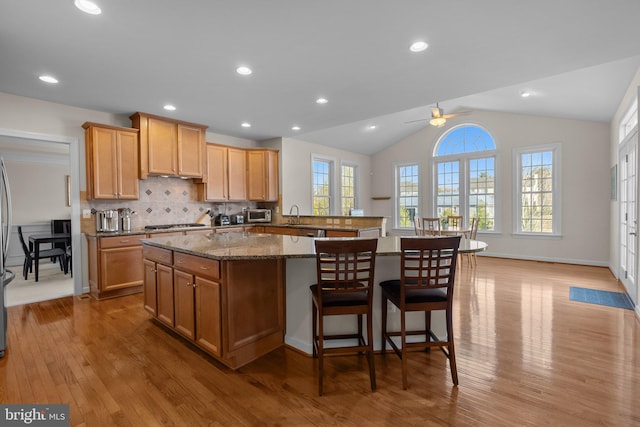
[(438, 118)]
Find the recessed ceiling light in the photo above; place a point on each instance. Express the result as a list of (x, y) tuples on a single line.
[(246, 125), (170, 107), (88, 7), (245, 71), (525, 94), (295, 128), (321, 101), (372, 127), (418, 46), (48, 79)]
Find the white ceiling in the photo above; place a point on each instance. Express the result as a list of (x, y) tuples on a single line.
[(577, 56)]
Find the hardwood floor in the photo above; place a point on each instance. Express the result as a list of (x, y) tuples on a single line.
[(526, 355)]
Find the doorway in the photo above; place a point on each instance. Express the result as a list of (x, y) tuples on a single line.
[(628, 180), (33, 139)]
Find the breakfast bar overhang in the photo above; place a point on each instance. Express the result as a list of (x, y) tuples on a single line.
[(261, 294)]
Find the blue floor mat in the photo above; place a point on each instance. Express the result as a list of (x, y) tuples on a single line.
[(596, 296)]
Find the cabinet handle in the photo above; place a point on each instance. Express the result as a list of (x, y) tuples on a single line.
[(195, 285), (204, 268), (124, 241)]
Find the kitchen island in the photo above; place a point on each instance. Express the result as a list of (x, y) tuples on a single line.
[(239, 296)]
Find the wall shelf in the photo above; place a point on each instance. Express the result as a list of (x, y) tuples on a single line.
[(381, 198)]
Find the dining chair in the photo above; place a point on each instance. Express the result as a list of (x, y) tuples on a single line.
[(431, 226), (344, 286), (472, 236), (417, 225), (455, 220), (29, 256), (66, 228), (427, 277)]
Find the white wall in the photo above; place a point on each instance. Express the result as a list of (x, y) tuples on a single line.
[(295, 164), (585, 182)]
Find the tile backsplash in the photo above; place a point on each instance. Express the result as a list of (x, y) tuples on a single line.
[(168, 201)]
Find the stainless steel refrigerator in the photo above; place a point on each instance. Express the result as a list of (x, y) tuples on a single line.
[(6, 276)]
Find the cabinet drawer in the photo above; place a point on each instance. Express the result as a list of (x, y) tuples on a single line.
[(120, 241), (163, 256), (207, 268)]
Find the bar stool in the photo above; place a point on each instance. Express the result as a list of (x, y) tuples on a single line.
[(427, 276), (344, 286)]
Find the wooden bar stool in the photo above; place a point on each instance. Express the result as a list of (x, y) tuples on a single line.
[(344, 286)]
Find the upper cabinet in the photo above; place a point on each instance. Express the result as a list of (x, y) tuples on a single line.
[(170, 147), (112, 162), (262, 175), (226, 174)]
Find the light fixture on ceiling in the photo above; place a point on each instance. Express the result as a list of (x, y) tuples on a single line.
[(88, 7), (438, 122), (244, 71), (322, 101), (525, 94), (418, 46), (48, 79), (296, 128), (438, 118), (170, 107), (246, 125), (372, 127)]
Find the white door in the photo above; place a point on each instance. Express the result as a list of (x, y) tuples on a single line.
[(628, 179)]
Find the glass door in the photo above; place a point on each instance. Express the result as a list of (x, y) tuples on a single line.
[(628, 179)]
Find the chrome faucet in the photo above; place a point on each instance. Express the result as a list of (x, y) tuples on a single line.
[(297, 214)]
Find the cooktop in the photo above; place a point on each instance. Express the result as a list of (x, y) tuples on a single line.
[(167, 226)]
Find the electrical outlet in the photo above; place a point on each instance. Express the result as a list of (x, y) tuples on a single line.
[(86, 213), (347, 222), (329, 221), (336, 221)]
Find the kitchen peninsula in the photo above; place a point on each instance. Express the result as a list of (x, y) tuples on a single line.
[(239, 296)]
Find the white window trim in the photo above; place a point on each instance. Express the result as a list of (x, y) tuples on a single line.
[(332, 182), (396, 194), (464, 159), (356, 183), (630, 115), (556, 148)]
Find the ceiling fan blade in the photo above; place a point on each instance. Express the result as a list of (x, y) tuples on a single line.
[(413, 121), (459, 113)]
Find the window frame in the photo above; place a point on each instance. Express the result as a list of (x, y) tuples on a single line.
[(356, 185), (556, 149), (396, 209), (464, 159), (331, 174)]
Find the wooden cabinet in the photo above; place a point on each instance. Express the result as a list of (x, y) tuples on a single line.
[(115, 266), (111, 161), (262, 175), (226, 174), (156, 276), (234, 310), (170, 147)]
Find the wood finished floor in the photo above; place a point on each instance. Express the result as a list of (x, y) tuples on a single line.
[(527, 356)]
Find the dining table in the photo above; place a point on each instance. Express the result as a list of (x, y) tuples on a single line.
[(36, 240)]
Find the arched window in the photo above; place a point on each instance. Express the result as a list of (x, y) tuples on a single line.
[(464, 162)]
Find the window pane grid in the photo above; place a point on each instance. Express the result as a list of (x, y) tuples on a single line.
[(536, 210), (348, 189), (448, 189), (321, 187), (408, 192), (482, 192)]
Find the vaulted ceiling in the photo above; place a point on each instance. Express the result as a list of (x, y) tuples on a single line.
[(576, 57)]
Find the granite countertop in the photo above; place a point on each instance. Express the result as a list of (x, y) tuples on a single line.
[(143, 231), (236, 246)]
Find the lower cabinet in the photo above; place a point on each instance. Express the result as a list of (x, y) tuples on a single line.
[(233, 310), (115, 265)]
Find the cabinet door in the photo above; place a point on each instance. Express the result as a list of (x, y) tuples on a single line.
[(121, 268), (262, 175), (103, 172), (149, 287), (164, 286), (216, 186), (237, 174), (208, 315), (127, 166), (184, 303), (163, 147), (190, 151)]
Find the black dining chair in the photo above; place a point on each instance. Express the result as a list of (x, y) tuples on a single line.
[(29, 256), (66, 228)]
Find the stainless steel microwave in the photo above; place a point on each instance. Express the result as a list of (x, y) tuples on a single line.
[(258, 215)]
